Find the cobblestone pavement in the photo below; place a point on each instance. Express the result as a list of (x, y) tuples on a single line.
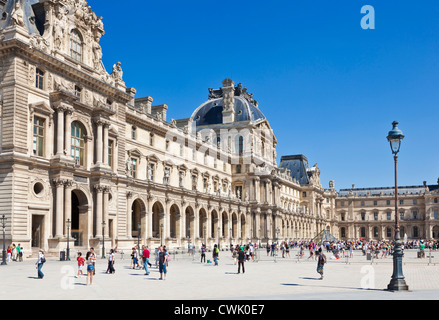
[(271, 278)]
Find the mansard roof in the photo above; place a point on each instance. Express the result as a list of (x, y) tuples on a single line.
[(298, 166), (26, 11)]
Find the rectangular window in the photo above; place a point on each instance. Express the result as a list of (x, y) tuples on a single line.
[(133, 133), (38, 137), (78, 92), (375, 203), (389, 216), (110, 153), (362, 203), (151, 172), (401, 215), (415, 201), (436, 214), (151, 140), (388, 202), (363, 216), (39, 79), (375, 216), (415, 215), (401, 201), (133, 170)]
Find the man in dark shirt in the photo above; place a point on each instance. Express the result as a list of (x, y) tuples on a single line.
[(241, 260)]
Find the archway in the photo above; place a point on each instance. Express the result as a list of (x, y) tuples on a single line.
[(79, 218), (157, 220), (202, 224), (214, 224), (138, 211), (174, 221), (189, 222)]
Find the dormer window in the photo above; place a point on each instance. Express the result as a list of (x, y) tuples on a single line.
[(76, 46)]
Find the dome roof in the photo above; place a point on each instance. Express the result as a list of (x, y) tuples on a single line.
[(210, 112)]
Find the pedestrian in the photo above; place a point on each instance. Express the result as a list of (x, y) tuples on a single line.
[(162, 263), (145, 255), (241, 260), (321, 263), (110, 268), (203, 253), (90, 258), (134, 256), (19, 253), (81, 261), (268, 249), (93, 254), (215, 254), (41, 260), (9, 254)]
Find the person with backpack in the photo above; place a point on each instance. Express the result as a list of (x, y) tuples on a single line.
[(241, 260), (215, 254), (321, 263), (203, 253), (41, 260)]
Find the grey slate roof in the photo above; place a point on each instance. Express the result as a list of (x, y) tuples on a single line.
[(31, 21), (298, 166)]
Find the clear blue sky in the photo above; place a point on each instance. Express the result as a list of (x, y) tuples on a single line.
[(329, 89)]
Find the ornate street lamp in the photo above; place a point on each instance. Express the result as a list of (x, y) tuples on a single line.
[(138, 236), (103, 239), (68, 222), (4, 241), (397, 283)]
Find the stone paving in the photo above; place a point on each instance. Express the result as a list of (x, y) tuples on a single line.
[(188, 279)]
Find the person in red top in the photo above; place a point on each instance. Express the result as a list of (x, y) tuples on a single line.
[(9, 254), (145, 255), (81, 261)]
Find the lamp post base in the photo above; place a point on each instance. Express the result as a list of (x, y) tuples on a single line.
[(397, 285), (398, 281)]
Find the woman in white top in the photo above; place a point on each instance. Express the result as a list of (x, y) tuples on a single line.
[(41, 260)]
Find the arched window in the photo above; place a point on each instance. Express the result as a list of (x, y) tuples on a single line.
[(78, 143), (75, 46)]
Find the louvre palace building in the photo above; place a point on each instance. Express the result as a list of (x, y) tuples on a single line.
[(85, 160)]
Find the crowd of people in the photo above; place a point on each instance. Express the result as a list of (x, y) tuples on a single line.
[(241, 253)]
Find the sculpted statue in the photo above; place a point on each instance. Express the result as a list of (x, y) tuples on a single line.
[(117, 71), (17, 16), (58, 31), (97, 53)]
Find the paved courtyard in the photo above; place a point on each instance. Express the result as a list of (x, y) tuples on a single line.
[(268, 279)]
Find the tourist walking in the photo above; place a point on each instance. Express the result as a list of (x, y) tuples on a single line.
[(241, 260), (203, 253), (110, 268), (41, 260), (162, 263), (321, 263), (80, 259), (145, 255), (215, 254), (90, 259)]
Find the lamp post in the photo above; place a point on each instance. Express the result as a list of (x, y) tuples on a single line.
[(138, 236), (4, 241), (103, 239), (397, 283), (68, 222)]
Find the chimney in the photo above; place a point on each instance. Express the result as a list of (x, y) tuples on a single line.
[(228, 101)]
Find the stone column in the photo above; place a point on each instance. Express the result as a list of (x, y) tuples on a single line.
[(68, 203), (68, 133), (60, 131), (105, 156), (106, 191), (98, 213), (98, 142), (59, 208)]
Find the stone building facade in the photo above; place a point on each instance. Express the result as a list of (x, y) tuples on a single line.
[(81, 156)]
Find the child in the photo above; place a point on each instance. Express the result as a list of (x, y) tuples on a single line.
[(80, 260)]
